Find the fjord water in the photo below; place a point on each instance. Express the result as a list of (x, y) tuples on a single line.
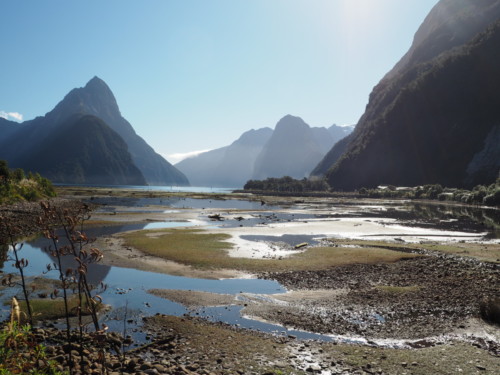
[(171, 188)]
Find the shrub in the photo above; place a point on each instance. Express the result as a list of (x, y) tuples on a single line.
[(20, 353), (15, 186), (492, 199)]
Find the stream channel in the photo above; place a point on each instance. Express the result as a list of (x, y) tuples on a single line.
[(126, 291)]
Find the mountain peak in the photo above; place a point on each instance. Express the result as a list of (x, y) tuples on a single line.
[(96, 82), (96, 98), (97, 87), (255, 137), (290, 122)]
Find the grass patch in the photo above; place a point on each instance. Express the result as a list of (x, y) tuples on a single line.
[(44, 284), (51, 309), (398, 289), (483, 252), (203, 250), (453, 358), (187, 246), (21, 353), (487, 252), (107, 223)]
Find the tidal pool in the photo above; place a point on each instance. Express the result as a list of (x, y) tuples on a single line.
[(126, 291)]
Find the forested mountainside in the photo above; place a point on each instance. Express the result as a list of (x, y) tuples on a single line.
[(95, 99), (433, 121)]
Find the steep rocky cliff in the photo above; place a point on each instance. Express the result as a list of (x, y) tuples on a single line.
[(432, 118)]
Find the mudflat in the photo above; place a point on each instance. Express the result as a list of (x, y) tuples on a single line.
[(412, 295)]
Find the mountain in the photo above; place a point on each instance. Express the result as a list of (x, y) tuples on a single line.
[(450, 23), (332, 156), (234, 165), (229, 166), (7, 128), (94, 99), (435, 117), (293, 150), (101, 155), (97, 99)]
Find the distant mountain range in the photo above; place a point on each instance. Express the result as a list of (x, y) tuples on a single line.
[(435, 117), (229, 166), (292, 149), (84, 139)]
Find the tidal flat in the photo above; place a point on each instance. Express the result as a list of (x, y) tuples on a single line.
[(338, 285)]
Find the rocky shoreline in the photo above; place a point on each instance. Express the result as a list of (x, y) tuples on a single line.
[(22, 219), (432, 303), (410, 299)]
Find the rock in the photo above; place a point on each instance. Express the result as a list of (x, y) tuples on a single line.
[(131, 364), (215, 217), (159, 368), (314, 368), (145, 366), (490, 310)]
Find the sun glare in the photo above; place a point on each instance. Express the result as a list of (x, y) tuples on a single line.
[(358, 16)]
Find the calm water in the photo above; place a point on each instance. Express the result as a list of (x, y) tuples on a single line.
[(109, 203), (181, 189), (128, 287)]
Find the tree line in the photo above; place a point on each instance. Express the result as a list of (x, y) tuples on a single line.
[(488, 195), (287, 184)]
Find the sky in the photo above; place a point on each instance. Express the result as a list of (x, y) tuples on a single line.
[(192, 75)]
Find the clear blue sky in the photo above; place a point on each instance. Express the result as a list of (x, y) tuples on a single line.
[(195, 74)]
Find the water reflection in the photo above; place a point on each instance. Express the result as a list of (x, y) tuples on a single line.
[(129, 286), (39, 254), (289, 239), (458, 218), (179, 202), (3, 254), (427, 215)]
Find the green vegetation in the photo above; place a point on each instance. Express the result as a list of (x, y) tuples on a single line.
[(480, 194), (417, 128), (487, 252), (79, 297), (202, 250), (52, 309), (15, 185), (21, 354), (102, 156), (288, 184)]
